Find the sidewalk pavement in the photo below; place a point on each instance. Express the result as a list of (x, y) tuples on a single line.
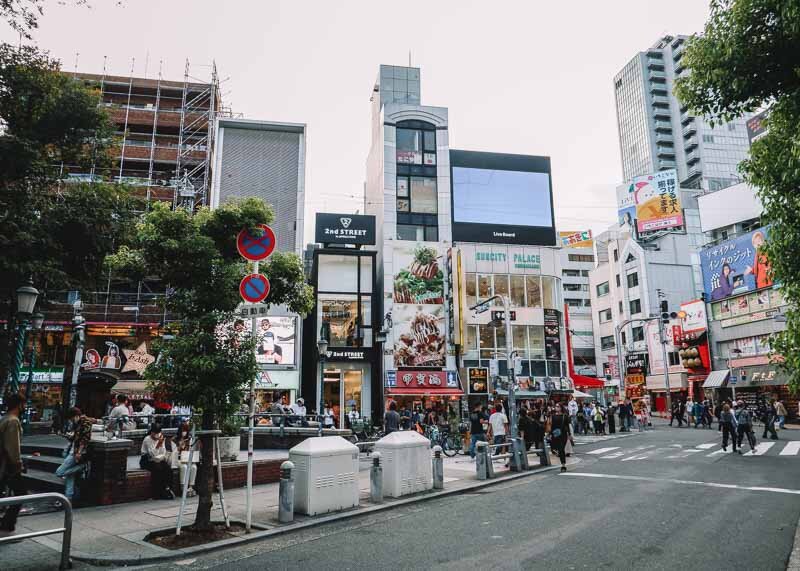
[(114, 535)]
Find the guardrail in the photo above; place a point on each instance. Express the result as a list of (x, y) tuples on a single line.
[(66, 530)]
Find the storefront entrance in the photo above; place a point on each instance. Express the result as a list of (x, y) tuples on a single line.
[(343, 391)]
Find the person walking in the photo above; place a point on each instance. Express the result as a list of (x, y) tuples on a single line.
[(689, 412), (699, 414), (499, 425), (709, 407), (391, 420), (11, 467), (597, 416), (560, 434), (727, 422), (623, 414), (769, 420), (612, 423), (780, 410), (718, 415), (744, 426), (526, 428), (78, 455), (477, 428), (572, 408), (681, 413)]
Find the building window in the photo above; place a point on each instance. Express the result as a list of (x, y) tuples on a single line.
[(416, 146), (623, 338), (417, 233), (571, 273), (617, 280), (607, 343), (621, 309), (633, 280), (636, 306), (605, 315), (571, 302), (616, 255), (576, 287), (580, 257), (708, 138), (587, 303), (602, 289), (637, 333), (674, 358)]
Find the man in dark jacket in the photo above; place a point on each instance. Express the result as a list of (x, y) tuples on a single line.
[(769, 420), (11, 460)]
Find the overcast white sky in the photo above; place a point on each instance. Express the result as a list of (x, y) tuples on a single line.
[(523, 77)]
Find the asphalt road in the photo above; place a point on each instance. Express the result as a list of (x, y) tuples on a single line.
[(666, 499)]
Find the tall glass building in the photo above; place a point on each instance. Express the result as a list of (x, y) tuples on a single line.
[(657, 132)]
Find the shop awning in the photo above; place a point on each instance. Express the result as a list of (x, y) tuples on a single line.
[(716, 379), (524, 394), (587, 382), (416, 391), (582, 395)]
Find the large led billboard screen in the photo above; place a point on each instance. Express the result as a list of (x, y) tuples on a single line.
[(502, 199)]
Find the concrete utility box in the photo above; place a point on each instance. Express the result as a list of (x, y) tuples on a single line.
[(325, 475), (406, 459)]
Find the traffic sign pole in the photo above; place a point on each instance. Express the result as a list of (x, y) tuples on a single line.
[(250, 425)]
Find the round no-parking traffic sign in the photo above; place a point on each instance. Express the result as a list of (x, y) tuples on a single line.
[(256, 248), (254, 288)]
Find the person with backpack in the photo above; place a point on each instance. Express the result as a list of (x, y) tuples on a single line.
[(727, 423), (744, 426), (560, 434)]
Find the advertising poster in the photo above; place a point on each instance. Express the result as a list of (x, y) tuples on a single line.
[(552, 335), (613, 366), (658, 202), (418, 319), (695, 319), (478, 378), (654, 349), (736, 266), (275, 340), (579, 239), (626, 206)]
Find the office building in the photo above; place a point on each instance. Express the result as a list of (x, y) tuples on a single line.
[(657, 132), (577, 260)]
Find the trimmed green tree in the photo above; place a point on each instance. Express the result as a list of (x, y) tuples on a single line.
[(748, 58), (209, 364)]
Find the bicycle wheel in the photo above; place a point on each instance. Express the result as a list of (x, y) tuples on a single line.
[(450, 447)]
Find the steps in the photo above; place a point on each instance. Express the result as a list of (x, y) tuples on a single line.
[(40, 476), (43, 463), (41, 481)]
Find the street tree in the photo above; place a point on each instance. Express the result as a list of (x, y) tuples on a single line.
[(747, 59), (56, 232), (210, 362)]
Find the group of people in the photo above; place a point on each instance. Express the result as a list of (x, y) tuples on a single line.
[(771, 413)]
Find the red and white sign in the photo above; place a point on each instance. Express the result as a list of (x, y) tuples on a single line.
[(256, 247), (695, 319), (410, 381)]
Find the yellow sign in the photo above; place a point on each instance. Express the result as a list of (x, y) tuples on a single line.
[(576, 239)]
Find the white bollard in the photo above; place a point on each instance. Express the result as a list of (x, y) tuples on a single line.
[(376, 479), (286, 493), (480, 460), (438, 468)]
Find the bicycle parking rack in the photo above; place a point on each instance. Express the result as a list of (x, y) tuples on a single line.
[(66, 530)]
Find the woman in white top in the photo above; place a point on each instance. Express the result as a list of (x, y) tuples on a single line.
[(180, 457), (156, 461)]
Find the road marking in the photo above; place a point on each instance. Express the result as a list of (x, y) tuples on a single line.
[(791, 448), (611, 456), (720, 451), (761, 449), (603, 450), (707, 445), (684, 482), (638, 457), (684, 453)]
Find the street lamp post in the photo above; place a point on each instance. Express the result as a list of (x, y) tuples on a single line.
[(79, 335), (36, 326), (26, 301), (322, 347)]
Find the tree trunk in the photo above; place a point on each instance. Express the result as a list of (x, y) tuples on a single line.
[(205, 477)]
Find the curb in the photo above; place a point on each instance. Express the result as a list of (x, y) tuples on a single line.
[(794, 556), (169, 555)]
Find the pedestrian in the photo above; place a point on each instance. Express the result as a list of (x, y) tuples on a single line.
[(560, 434), (709, 407), (154, 460), (538, 421), (689, 412), (780, 410), (11, 460), (405, 418), (572, 408), (477, 428), (499, 425), (681, 413), (327, 416), (612, 426), (699, 414), (597, 416), (526, 428), (298, 409), (727, 422), (78, 453), (391, 420), (674, 412), (718, 414), (769, 420), (181, 445), (744, 426), (580, 420), (119, 417)]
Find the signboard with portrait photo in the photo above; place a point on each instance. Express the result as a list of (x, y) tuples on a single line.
[(653, 200), (736, 266), (552, 334), (275, 340)]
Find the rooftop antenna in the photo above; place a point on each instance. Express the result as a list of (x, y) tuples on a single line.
[(146, 62), (409, 58)]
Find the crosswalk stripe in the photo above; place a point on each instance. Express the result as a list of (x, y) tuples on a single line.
[(684, 453), (603, 450), (637, 457), (721, 451), (612, 456), (707, 445), (791, 448), (761, 449)]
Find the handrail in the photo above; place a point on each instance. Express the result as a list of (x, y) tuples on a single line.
[(66, 530)]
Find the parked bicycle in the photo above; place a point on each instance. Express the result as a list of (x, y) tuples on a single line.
[(450, 442)]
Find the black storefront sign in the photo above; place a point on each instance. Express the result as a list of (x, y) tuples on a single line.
[(348, 354), (478, 378), (636, 364), (341, 229), (552, 334)]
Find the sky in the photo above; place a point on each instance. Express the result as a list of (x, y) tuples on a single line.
[(517, 76)]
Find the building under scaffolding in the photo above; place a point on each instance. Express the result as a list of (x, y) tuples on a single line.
[(166, 135)]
